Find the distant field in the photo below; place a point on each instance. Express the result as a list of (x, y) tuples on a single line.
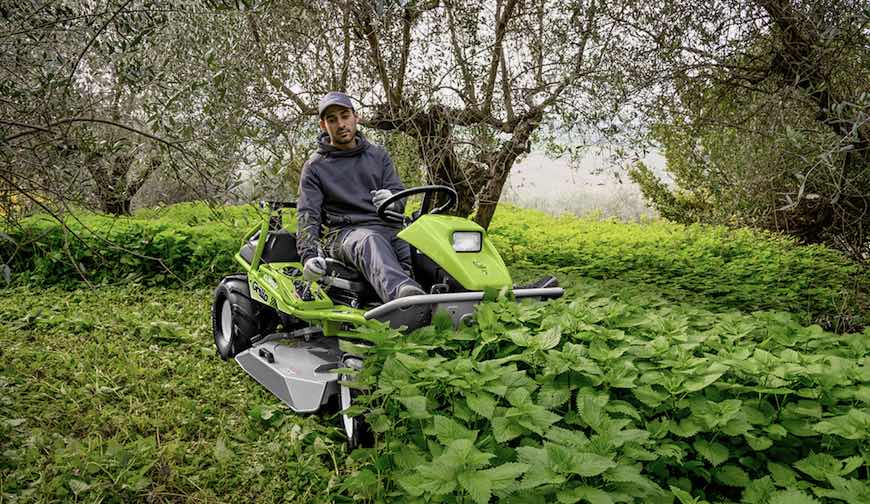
[(588, 186)]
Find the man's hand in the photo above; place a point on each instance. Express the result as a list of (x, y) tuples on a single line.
[(314, 269), (379, 196)]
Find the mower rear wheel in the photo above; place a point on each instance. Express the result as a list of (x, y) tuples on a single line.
[(357, 431), (236, 318)]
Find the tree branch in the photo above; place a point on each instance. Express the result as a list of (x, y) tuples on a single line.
[(500, 30), (270, 72)]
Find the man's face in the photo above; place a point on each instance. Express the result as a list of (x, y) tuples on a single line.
[(340, 124)]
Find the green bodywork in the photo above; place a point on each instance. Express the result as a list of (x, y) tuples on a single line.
[(476, 271), (275, 284)]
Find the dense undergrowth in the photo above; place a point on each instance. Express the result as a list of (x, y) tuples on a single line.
[(640, 385), (614, 394), (715, 267)]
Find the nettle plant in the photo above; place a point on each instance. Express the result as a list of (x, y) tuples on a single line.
[(597, 399)]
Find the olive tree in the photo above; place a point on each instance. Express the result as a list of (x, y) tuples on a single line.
[(474, 84), (763, 112)]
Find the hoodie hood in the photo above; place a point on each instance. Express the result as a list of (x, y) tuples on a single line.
[(326, 149)]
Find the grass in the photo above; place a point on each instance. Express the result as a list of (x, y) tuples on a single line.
[(116, 394)]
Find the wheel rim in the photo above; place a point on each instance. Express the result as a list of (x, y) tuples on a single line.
[(345, 404), (226, 323)]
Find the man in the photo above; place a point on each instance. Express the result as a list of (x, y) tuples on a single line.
[(342, 185)]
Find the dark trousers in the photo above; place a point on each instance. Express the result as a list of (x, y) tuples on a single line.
[(382, 258)]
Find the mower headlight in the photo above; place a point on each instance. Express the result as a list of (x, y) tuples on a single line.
[(467, 241)]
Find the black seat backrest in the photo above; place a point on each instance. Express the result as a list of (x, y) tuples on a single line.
[(280, 247)]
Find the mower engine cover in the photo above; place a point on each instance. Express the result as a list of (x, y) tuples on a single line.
[(445, 239)]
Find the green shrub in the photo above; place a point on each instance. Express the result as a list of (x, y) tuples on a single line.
[(718, 267), (617, 399), (728, 268), (187, 243)]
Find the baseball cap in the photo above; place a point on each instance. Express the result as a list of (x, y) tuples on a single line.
[(334, 98)]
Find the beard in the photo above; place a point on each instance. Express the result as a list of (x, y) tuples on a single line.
[(344, 137)]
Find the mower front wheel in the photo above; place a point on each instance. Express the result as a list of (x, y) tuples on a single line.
[(236, 318), (357, 431)]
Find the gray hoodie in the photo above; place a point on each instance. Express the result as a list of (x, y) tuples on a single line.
[(335, 190)]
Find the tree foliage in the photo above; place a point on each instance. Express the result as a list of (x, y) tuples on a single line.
[(764, 116)]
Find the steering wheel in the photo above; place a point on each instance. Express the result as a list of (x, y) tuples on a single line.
[(428, 191)]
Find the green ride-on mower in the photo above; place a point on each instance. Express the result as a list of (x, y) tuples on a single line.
[(452, 259)]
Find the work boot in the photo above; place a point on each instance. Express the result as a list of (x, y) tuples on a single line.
[(409, 289)]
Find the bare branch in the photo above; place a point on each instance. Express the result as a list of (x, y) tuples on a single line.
[(270, 72), (500, 30)]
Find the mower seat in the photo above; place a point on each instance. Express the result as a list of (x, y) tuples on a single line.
[(280, 247)]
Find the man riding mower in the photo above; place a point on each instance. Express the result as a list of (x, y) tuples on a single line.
[(383, 267)]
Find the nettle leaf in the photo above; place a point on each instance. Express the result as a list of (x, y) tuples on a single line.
[(685, 427), (481, 403), (504, 429), (566, 437), (553, 395), (782, 474), (791, 497), (477, 486), (584, 493), (448, 430), (853, 425), (504, 475), (649, 396), (683, 496), (710, 375), (715, 453), (850, 464), (591, 409), (589, 464), (416, 406), (850, 490), (731, 475), (819, 466), (624, 408), (758, 443), (759, 491), (631, 474)]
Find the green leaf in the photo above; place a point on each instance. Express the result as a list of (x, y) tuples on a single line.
[(478, 486), (850, 464), (416, 406), (791, 497), (715, 453), (448, 430), (221, 452), (758, 443), (547, 339), (505, 429), (713, 373), (782, 474), (759, 491), (590, 464), (566, 437), (649, 396), (685, 427), (731, 475), (584, 493), (78, 486), (819, 466), (502, 476), (683, 496), (481, 403), (853, 425)]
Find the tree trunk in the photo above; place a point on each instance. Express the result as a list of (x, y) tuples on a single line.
[(500, 164)]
